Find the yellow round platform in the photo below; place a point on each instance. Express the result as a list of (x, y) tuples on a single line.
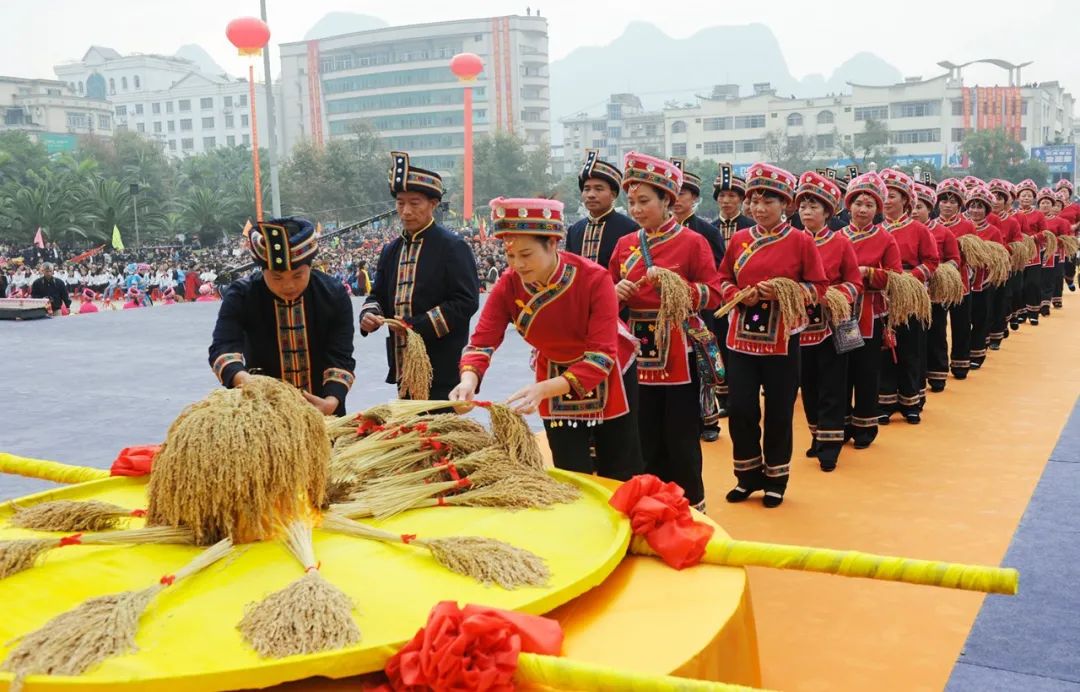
[(188, 638)]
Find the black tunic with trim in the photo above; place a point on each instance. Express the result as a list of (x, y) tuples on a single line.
[(308, 342), (429, 281), (596, 239)]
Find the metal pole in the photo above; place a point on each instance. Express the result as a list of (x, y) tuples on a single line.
[(271, 125), (135, 208), (467, 212), (255, 144)]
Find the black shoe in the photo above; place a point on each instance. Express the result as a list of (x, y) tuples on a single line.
[(710, 435), (862, 444), (936, 386), (828, 466), (913, 418), (721, 412), (739, 494), (1015, 326), (975, 365), (994, 347), (772, 499), (811, 451), (1072, 288), (1044, 310), (884, 419), (1034, 322)]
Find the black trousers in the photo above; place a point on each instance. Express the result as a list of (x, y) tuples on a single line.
[(960, 329), (823, 377), (1015, 287), (980, 324), (864, 379), (757, 465), (668, 426), (1070, 270), (1058, 282), (618, 446), (998, 314), (900, 387), (1033, 292), (721, 326), (937, 346), (1046, 286)]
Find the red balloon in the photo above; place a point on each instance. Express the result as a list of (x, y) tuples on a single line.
[(466, 65), (248, 33)]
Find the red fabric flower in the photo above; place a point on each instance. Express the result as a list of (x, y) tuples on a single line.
[(659, 512), (134, 461), (470, 648)]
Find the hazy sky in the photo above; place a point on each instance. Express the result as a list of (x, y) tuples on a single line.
[(815, 37)]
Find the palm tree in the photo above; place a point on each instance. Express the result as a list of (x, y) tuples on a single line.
[(51, 203), (208, 212)]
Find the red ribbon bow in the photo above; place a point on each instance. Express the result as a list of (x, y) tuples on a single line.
[(73, 539), (660, 513), (134, 461), (471, 648)]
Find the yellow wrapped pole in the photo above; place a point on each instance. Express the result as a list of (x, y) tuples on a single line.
[(852, 563), (565, 674), (49, 470)]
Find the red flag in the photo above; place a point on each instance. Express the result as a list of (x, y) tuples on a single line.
[(483, 231), (37, 238), (86, 255)]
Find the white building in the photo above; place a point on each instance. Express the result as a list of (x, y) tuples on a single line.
[(623, 126), (398, 80), (170, 100), (53, 113), (926, 121)]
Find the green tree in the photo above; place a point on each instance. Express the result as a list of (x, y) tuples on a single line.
[(208, 213), (20, 155), (869, 146), (792, 153), (56, 202), (993, 154)]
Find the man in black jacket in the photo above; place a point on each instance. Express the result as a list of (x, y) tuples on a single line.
[(426, 278), (290, 321), (48, 286), (595, 237)]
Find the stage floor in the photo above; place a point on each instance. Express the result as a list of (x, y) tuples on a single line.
[(954, 488)]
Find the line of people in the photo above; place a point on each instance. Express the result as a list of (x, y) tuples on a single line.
[(622, 387)]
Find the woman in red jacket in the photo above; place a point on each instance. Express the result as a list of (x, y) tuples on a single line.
[(901, 390), (763, 351), (979, 204), (1005, 296), (670, 384), (937, 348), (1031, 224), (823, 375), (877, 254), (564, 306)]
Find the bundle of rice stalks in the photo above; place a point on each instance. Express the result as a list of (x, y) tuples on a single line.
[(1018, 255), (1032, 248), (492, 485), (72, 515), (676, 304), (241, 462), (946, 286), (792, 299), (1070, 244), (443, 470), (975, 250), (308, 616), (486, 560), (74, 641), (907, 298), (1051, 241), (21, 553), (837, 307), (997, 271), (416, 372)]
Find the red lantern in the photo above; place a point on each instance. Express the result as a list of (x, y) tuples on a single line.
[(249, 34), (466, 66)]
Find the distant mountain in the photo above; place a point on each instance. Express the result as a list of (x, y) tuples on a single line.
[(337, 23), (201, 58), (647, 62)]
